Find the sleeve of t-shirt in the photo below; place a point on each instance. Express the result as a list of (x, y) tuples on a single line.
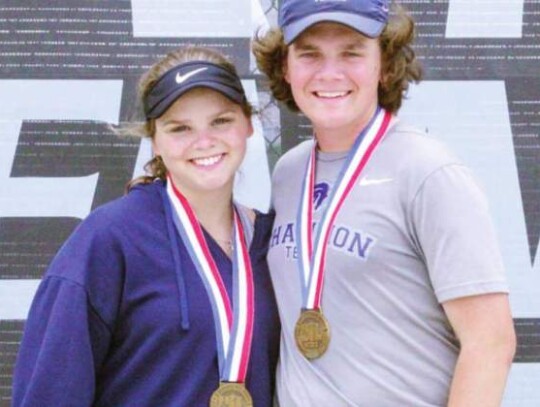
[(64, 343), (456, 235)]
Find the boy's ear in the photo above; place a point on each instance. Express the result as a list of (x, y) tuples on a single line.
[(284, 68)]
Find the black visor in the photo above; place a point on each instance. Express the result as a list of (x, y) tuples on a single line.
[(182, 78)]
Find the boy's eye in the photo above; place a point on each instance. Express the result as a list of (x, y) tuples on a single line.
[(222, 120), (308, 54)]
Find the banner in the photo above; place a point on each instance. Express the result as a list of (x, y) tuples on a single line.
[(70, 69)]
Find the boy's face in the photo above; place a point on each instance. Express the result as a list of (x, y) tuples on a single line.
[(334, 74)]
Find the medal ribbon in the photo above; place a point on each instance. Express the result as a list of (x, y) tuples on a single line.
[(312, 253), (233, 323)]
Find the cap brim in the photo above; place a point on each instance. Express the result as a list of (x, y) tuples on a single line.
[(226, 91), (369, 27)]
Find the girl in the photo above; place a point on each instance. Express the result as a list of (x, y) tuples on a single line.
[(162, 297)]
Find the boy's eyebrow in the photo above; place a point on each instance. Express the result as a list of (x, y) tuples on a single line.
[(300, 45), (357, 44), (305, 45)]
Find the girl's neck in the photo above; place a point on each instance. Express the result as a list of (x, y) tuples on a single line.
[(214, 212)]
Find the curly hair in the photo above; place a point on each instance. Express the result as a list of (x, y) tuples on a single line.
[(399, 63), (155, 168)]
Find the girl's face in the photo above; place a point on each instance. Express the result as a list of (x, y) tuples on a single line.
[(202, 140)]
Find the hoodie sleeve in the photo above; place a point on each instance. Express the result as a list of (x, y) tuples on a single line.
[(68, 330), (64, 344)]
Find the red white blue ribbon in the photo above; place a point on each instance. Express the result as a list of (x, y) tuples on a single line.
[(312, 252), (233, 321)]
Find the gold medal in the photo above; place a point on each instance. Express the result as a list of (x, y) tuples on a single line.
[(312, 333), (231, 394)]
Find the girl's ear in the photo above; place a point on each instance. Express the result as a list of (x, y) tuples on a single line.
[(250, 128), (155, 149), (153, 131)]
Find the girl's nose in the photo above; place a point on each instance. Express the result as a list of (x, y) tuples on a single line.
[(204, 139)]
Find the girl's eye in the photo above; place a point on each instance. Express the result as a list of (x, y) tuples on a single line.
[(178, 129)]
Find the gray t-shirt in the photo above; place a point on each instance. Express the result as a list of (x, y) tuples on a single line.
[(414, 232)]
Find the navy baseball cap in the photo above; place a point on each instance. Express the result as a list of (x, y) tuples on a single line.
[(368, 17), (184, 77)]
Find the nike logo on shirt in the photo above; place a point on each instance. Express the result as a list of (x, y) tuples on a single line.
[(374, 181), (182, 78)]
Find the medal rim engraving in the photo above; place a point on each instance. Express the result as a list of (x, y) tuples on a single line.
[(231, 387), (312, 314)]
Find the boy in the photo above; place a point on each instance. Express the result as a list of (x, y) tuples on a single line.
[(385, 263)]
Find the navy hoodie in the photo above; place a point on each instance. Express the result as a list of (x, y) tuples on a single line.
[(122, 318)]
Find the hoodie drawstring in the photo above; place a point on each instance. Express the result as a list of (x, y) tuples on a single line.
[(184, 307)]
